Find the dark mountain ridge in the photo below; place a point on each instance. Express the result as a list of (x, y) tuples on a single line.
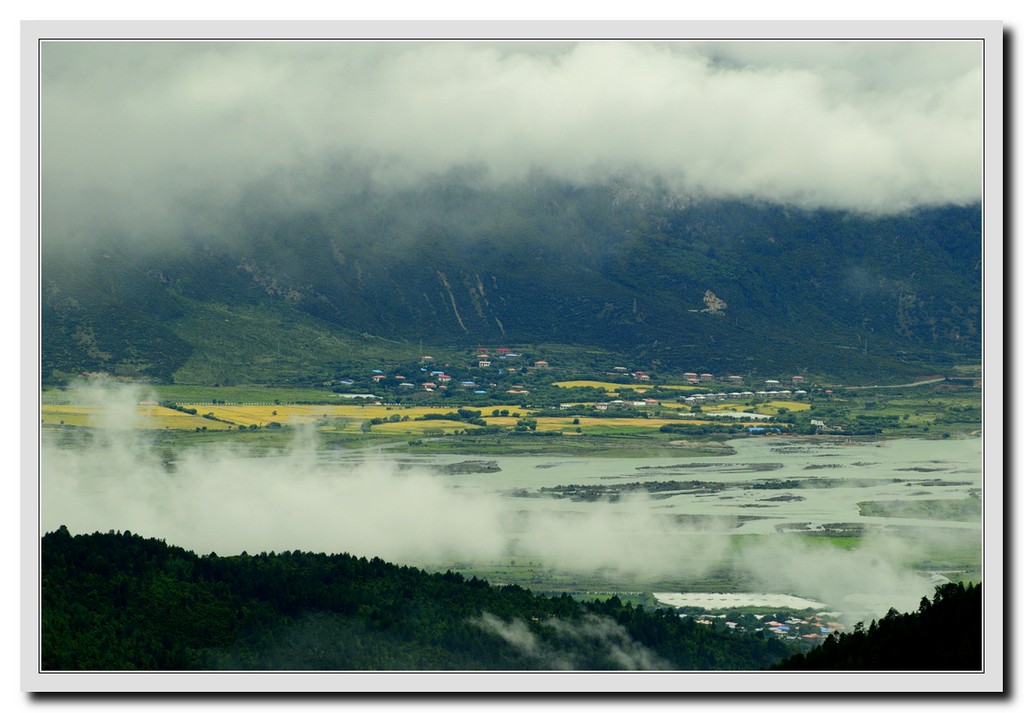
[(944, 634), (709, 284), (118, 601)]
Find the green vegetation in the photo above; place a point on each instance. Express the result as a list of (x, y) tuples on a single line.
[(118, 601), (316, 308), (486, 425), (590, 285), (944, 634), (967, 510), (609, 444)]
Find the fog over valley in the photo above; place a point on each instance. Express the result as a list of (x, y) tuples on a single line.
[(229, 499), (526, 354)]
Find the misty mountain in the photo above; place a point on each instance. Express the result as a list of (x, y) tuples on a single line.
[(699, 284)]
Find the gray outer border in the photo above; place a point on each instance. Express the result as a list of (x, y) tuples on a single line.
[(993, 679)]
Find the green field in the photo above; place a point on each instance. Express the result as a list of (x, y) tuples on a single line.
[(928, 411), (968, 510)]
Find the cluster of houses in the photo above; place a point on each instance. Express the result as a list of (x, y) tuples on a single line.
[(771, 390), (745, 395), (694, 379), (483, 360), (638, 375), (615, 404), (442, 383), (438, 379), (486, 358), (816, 626)]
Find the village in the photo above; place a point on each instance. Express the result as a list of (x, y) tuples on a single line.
[(507, 374), (811, 628), (534, 391)]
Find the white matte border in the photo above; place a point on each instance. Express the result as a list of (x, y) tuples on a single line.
[(991, 680)]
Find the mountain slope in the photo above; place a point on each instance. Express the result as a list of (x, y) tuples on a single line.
[(709, 285), (944, 634), (118, 601)]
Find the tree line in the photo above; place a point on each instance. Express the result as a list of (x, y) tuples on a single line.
[(119, 601), (944, 634)]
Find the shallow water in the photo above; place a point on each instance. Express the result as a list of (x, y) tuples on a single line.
[(666, 523), (769, 486), (829, 478)]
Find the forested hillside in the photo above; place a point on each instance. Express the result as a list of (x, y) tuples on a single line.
[(944, 634), (118, 601), (724, 286)]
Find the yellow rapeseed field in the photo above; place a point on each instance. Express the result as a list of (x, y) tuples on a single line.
[(54, 415), (791, 405), (150, 417), (160, 417), (606, 385), (726, 407), (349, 417), (418, 428), (337, 416), (298, 414)]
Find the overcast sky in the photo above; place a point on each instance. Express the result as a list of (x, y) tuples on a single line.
[(136, 133)]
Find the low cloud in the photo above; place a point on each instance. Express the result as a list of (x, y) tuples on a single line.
[(627, 538), (862, 583), (139, 136), (592, 642), (227, 499)]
